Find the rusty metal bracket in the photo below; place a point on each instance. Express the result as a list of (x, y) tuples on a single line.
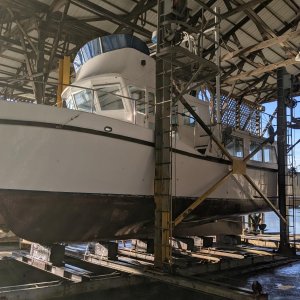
[(239, 166)]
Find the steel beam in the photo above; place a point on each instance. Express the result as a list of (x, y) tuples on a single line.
[(23, 31), (140, 8), (206, 7), (262, 45), (218, 63), (199, 200), (261, 70), (41, 81), (57, 39), (240, 8), (98, 10), (163, 154), (282, 91), (205, 127), (228, 34)]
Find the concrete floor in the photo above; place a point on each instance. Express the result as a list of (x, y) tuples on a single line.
[(280, 283), (147, 291), (13, 273)]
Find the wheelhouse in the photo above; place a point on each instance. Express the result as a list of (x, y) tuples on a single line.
[(116, 79), (113, 97)]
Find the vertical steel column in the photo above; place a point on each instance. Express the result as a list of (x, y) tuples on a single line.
[(238, 115), (282, 150), (257, 122), (218, 63), (40, 84), (163, 155)]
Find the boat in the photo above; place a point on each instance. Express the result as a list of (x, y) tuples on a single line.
[(85, 172)]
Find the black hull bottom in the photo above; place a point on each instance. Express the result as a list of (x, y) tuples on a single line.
[(49, 217)]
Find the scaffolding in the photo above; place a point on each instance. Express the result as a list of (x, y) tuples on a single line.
[(179, 71), (292, 197), (174, 66), (286, 122)]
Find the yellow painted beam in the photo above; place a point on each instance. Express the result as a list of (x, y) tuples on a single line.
[(66, 71), (162, 247), (198, 201), (63, 78), (60, 81)]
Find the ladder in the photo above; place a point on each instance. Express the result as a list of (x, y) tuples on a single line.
[(290, 179), (177, 71), (163, 151)]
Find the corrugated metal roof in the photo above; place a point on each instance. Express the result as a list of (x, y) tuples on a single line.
[(105, 25), (282, 10), (82, 24)]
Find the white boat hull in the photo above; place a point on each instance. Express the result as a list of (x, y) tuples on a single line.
[(62, 165)]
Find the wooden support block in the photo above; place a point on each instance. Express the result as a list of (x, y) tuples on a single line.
[(207, 241), (106, 250), (53, 254), (228, 240)]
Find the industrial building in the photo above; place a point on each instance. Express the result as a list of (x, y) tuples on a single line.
[(149, 149)]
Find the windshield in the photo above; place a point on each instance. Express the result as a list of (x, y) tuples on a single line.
[(109, 97), (84, 100)]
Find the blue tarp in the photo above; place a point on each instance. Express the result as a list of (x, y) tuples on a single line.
[(106, 44)]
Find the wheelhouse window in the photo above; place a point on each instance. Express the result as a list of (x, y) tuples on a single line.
[(174, 116), (257, 156), (70, 103), (188, 119), (151, 101), (267, 154), (139, 98), (110, 97), (84, 100), (236, 147)]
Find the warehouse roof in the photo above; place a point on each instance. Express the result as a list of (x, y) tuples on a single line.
[(256, 38)]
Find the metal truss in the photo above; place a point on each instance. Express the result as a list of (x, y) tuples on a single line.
[(35, 35)]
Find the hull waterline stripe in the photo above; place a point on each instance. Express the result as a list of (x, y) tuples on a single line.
[(119, 137)]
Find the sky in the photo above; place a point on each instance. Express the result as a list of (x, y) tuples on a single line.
[(269, 108)]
